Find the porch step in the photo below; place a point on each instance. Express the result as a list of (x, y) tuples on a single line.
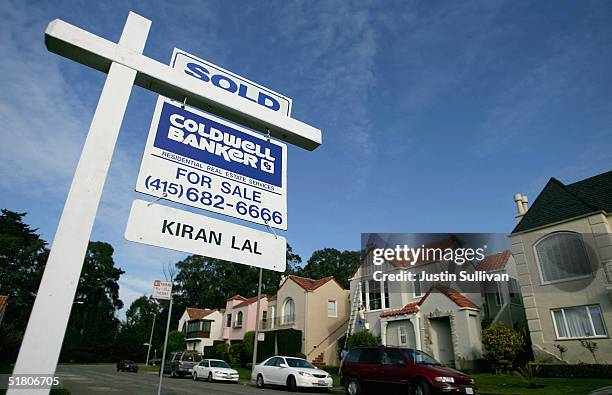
[(318, 361)]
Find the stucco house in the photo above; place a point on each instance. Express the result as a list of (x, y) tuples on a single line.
[(201, 327), (563, 251), (318, 308), (240, 316), (445, 318)]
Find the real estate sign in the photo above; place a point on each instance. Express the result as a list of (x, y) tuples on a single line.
[(207, 162), (184, 231), (162, 290)]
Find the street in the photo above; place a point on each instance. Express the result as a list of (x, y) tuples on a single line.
[(102, 379)]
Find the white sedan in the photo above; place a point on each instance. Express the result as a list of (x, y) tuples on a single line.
[(214, 370), (290, 372)]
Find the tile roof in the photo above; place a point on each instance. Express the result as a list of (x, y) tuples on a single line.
[(248, 301), (270, 298), (197, 314), (309, 284), (494, 262), (456, 296), (558, 202), (3, 302)]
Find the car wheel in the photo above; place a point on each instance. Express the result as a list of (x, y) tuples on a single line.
[(421, 388), (195, 376), (291, 385), (260, 381), (352, 386), (210, 377)]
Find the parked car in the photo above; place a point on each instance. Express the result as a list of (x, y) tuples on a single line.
[(414, 370), (290, 372), (155, 361), (127, 366), (180, 364), (213, 370)]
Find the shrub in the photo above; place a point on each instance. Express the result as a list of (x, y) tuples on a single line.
[(233, 354), (590, 346), (502, 343), (529, 373), (363, 338), (332, 369)]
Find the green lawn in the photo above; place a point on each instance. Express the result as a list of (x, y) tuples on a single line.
[(513, 385)]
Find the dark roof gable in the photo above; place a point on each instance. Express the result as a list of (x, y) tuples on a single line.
[(558, 202)]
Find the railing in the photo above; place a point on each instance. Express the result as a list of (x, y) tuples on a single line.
[(278, 322), (197, 334)]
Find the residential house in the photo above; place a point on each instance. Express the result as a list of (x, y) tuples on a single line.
[(563, 251), (3, 302), (317, 308), (201, 327), (240, 316), (434, 318)]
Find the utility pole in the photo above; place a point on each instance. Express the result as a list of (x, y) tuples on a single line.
[(151, 337), (255, 341), (163, 362)]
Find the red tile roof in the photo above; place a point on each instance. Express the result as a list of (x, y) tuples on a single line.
[(309, 284), (197, 314), (408, 309), (248, 301), (413, 307), (494, 262), (3, 302)]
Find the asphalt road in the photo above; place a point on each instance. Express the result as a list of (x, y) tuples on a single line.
[(104, 379)]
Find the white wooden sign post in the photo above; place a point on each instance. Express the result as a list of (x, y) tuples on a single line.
[(126, 66)]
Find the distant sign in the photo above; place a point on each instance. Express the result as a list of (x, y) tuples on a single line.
[(261, 336), (200, 160), (184, 231), (162, 289), (220, 78)]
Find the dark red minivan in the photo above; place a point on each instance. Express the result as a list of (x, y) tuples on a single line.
[(372, 368)]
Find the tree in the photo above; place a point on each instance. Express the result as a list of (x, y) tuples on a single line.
[(135, 331), (331, 262), (93, 326), (176, 342), (208, 282), (22, 258)]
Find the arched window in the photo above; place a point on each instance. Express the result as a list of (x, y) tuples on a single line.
[(288, 311), (239, 319), (562, 256)]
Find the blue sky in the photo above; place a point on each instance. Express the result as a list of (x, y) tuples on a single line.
[(433, 114)]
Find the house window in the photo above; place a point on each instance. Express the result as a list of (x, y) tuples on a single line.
[(193, 326), (386, 295), (515, 291), (332, 308), (499, 297), (239, 320), (579, 322), (561, 257), (228, 321), (374, 295), (288, 311), (418, 291), (206, 329), (403, 335)]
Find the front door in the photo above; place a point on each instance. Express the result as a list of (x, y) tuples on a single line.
[(442, 341)]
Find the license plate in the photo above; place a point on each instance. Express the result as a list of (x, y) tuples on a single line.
[(469, 391), (322, 382)]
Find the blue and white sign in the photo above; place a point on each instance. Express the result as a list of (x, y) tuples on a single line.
[(219, 78), (204, 161)]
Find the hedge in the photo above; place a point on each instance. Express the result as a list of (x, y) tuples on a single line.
[(289, 342), (580, 370)]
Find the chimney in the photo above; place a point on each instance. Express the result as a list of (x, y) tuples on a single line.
[(521, 206), (525, 203)]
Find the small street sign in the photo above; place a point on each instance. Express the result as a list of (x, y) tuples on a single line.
[(179, 230), (162, 290)]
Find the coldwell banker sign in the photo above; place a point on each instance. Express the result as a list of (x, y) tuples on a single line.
[(203, 161)]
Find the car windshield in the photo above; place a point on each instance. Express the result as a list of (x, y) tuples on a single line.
[(419, 357), (219, 364), (299, 363)]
